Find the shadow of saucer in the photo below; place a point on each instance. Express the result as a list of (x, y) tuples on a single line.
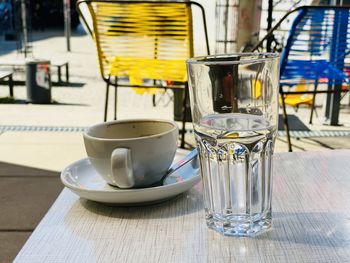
[(100, 216), (92, 228), (185, 203)]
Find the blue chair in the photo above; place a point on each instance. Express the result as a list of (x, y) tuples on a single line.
[(316, 51)]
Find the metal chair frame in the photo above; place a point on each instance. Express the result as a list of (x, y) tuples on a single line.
[(268, 39), (109, 79)]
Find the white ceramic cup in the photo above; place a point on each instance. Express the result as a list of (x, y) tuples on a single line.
[(132, 153)]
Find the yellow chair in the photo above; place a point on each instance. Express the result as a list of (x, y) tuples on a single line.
[(144, 41), (294, 100)]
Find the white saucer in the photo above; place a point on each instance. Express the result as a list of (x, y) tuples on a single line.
[(82, 179)]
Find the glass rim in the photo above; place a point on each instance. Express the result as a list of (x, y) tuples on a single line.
[(247, 58)]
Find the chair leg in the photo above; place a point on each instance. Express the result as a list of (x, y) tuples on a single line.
[(67, 72), (154, 103), (313, 103), (296, 108), (184, 114), (106, 101), (162, 98), (154, 100), (115, 97), (11, 86), (59, 74), (285, 123)]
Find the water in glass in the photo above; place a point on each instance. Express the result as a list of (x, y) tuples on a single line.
[(235, 153)]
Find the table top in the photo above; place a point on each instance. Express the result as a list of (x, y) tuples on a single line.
[(311, 223)]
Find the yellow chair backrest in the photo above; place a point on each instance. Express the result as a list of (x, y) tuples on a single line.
[(143, 40)]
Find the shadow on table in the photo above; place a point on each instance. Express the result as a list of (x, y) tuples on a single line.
[(186, 203), (311, 229), (57, 103), (56, 84), (9, 100)]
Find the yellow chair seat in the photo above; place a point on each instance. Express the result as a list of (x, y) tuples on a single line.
[(296, 99), (138, 69)]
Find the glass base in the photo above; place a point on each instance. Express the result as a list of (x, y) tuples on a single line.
[(240, 226)]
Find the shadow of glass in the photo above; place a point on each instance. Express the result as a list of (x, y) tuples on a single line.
[(311, 229)]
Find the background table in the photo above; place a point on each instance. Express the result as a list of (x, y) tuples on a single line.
[(311, 223)]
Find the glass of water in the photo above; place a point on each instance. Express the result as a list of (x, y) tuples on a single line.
[(234, 104)]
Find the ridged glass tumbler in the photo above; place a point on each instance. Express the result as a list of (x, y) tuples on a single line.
[(234, 104)]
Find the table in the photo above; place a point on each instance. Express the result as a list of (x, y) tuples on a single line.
[(311, 223)]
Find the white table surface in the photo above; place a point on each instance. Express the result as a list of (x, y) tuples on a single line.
[(311, 223)]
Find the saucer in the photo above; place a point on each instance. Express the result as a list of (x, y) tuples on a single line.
[(81, 178)]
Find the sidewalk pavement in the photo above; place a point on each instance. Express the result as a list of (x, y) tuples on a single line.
[(80, 104)]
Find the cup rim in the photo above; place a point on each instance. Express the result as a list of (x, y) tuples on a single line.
[(86, 135), (211, 59)]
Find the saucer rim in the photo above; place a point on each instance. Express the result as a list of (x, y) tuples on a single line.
[(129, 190)]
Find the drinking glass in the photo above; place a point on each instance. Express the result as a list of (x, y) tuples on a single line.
[(234, 104)]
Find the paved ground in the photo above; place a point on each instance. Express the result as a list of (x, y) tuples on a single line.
[(78, 104)]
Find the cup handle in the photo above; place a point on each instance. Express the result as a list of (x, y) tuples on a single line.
[(122, 168)]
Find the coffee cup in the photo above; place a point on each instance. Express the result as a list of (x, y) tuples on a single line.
[(132, 153)]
